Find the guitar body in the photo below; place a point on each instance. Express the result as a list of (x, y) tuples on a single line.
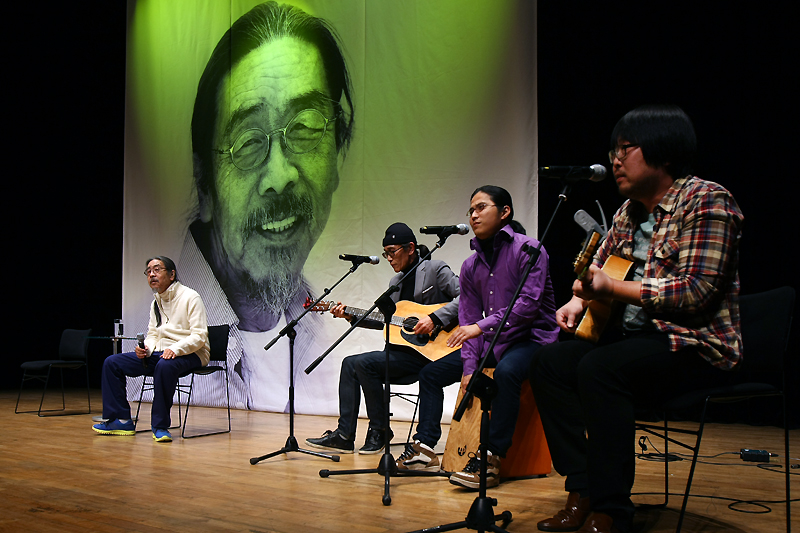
[(401, 327), (404, 335), (599, 312)]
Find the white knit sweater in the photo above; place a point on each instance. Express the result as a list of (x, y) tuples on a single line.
[(184, 326)]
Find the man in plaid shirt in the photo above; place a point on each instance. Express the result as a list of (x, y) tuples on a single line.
[(679, 327)]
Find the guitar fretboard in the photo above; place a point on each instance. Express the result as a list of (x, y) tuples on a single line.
[(375, 315)]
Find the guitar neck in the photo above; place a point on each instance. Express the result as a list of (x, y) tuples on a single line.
[(375, 315)]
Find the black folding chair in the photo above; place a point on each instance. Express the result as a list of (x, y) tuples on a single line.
[(766, 320), (72, 355), (218, 341)]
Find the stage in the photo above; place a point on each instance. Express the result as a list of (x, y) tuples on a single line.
[(56, 474)]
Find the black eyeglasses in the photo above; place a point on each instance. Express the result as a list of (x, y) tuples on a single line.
[(390, 253), (302, 134), (620, 152)]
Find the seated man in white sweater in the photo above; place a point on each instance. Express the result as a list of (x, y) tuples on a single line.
[(177, 341)]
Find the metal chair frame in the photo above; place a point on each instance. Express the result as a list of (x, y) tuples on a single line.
[(783, 298), (74, 346), (218, 339)]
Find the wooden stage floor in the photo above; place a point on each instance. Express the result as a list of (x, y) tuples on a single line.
[(56, 474)]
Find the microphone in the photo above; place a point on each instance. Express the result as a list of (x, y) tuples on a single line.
[(444, 231), (573, 174), (359, 259), (140, 340)]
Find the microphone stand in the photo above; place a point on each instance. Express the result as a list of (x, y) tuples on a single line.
[(291, 442), (387, 467), (481, 516)]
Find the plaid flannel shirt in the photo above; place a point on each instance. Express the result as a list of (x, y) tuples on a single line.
[(690, 285)]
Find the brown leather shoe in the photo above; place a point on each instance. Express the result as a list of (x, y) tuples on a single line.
[(571, 517), (598, 523)]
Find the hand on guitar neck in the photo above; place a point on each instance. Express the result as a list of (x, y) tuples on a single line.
[(424, 326)]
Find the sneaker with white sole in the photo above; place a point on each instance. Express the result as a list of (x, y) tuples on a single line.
[(418, 456), (470, 477), (115, 427)]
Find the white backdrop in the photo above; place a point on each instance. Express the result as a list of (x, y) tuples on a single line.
[(445, 100)]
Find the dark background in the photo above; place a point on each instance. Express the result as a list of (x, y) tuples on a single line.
[(730, 68)]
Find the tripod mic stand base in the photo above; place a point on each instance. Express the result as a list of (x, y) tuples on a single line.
[(292, 446), (481, 517)]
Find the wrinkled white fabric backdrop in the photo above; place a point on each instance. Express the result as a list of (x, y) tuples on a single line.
[(445, 100)]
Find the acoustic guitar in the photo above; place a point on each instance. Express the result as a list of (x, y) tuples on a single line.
[(401, 327), (598, 312)]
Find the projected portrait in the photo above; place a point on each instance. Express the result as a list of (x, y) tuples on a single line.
[(271, 122)]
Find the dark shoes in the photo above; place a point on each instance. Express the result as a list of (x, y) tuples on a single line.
[(335, 441), (332, 441), (598, 523), (571, 518), (375, 441)]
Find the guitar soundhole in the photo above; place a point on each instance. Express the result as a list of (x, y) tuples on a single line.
[(409, 323)]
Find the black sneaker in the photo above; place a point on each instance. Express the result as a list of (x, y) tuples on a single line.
[(374, 442), (333, 441)]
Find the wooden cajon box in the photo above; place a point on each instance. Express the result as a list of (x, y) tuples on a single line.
[(529, 454)]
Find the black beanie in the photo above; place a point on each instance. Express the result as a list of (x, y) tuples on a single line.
[(399, 233)]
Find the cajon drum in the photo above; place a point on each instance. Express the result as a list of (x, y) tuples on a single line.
[(529, 454)]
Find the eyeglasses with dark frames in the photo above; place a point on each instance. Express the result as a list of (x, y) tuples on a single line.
[(390, 253), (620, 152)]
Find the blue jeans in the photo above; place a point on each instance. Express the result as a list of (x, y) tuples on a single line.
[(433, 378), (510, 373), (165, 374)]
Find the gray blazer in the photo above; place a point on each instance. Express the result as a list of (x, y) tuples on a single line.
[(434, 283)]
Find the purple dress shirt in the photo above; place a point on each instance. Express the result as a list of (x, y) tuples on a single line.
[(487, 289)]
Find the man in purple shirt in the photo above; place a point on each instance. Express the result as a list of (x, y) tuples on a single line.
[(489, 279)]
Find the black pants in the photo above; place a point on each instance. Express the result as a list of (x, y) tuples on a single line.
[(586, 396)]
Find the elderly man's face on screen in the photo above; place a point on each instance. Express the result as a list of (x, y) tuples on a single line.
[(275, 162)]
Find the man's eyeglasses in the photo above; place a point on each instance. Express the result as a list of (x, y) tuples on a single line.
[(478, 209), (302, 134), (620, 152), (390, 253), (155, 270)]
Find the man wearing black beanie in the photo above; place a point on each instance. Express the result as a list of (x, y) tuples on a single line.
[(431, 283)]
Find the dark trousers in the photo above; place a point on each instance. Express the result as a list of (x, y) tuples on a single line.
[(433, 378), (509, 374), (582, 389), (165, 374), (366, 372)]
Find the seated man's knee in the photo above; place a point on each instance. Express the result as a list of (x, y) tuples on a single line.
[(349, 364), (592, 369)]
